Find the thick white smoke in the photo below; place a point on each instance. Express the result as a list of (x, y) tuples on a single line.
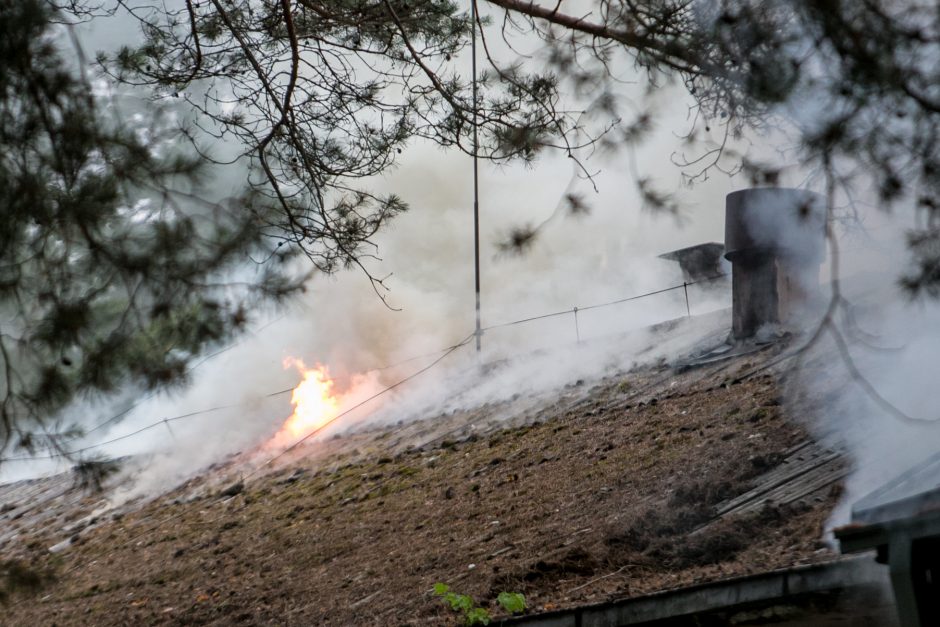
[(606, 255), (892, 351), (603, 256)]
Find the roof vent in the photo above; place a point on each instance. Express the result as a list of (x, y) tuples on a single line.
[(700, 263)]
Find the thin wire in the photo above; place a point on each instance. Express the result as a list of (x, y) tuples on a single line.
[(97, 445), (607, 304), (626, 300)]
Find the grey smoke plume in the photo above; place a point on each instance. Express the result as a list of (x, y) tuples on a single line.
[(894, 343)]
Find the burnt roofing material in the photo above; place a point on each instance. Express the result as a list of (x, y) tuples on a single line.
[(807, 469)]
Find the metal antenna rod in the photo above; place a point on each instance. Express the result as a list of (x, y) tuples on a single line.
[(476, 179)]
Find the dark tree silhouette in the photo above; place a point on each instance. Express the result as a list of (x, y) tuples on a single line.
[(112, 272)]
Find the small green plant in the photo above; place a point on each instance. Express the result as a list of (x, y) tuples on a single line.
[(477, 616), (512, 602), (473, 615)]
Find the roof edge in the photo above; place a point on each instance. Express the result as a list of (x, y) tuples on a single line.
[(725, 594)]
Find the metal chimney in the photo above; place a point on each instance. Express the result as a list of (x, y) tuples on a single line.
[(775, 241)]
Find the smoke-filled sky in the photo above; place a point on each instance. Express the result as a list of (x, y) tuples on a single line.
[(608, 254)]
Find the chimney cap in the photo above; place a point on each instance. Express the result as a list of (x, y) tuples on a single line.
[(777, 221)]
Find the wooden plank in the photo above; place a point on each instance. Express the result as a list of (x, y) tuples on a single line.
[(804, 461), (802, 487)]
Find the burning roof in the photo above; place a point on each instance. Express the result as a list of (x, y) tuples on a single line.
[(644, 481)]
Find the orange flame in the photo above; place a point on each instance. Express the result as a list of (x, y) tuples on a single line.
[(313, 399)]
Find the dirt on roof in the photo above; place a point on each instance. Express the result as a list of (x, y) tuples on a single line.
[(602, 491)]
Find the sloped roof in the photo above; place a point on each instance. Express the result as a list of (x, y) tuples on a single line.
[(644, 481)]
